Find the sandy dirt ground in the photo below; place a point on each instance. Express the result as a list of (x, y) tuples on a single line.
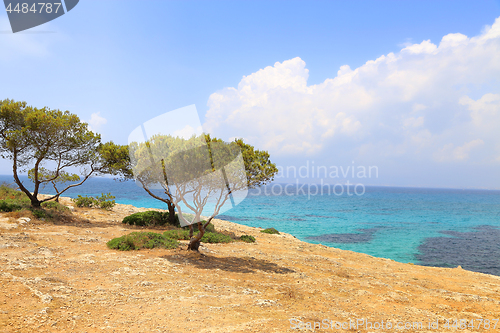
[(62, 278)]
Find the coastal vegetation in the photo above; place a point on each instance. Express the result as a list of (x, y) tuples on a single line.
[(247, 238), (167, 240), (47, 143), (151, 218), (104, 201), (271, 231), (142, 240), (15, 202)]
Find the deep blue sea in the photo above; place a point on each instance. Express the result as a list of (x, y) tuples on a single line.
[(434, 227)]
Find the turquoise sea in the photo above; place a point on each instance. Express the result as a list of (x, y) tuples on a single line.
[(434, 227)]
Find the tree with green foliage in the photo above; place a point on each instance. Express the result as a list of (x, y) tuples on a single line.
[(47, 142), (198, 169)]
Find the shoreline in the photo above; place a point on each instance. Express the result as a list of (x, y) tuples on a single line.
[(240, 229), (388, 239), (62, 277)]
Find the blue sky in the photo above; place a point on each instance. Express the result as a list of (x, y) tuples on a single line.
[(274, 73)]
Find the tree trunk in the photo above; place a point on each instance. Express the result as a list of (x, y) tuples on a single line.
[(35, 203), (194, 243), (171, 214)]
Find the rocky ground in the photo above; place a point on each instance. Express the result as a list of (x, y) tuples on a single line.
[(61, 277)]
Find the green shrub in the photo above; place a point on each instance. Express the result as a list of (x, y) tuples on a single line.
[(210, 227), (177, 234), (247, 238), (9, 206), (7, 192), (208, 237), (123, 243), (145, 218), (215, 237), (12, 199), (140, 240), (103, 201), (270, 231), (41, 214), (85, 201), (53, 205), (149, 218)]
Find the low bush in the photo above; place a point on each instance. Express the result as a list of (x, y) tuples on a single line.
[(247, 239), (53, 205), (216, 237), (7, 192), (142, 240), (10, 205), (85, 201), (180, 234), (12, 200), (123, 243), (41, 214), (149, 218), (15, 202), (104, 201), (271, 231), (208, 237)]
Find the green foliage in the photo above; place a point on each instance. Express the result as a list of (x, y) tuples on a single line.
[(216, 237), (7, 192), (140, 240), (115, 159), (123, 243), (259, 168), (41, 214), (208, 237), (46, 176), (150, 218), (180, 234), (247, 238), (270, 231), (9, 206), (84, 201), (104, 201), (56, 206), (12, 200)]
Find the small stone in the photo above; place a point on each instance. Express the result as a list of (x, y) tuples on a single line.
[(23, 220)]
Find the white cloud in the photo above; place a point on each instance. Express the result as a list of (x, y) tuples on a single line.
[(96, 122), (451, 153), (414, 102), (485, 112)]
